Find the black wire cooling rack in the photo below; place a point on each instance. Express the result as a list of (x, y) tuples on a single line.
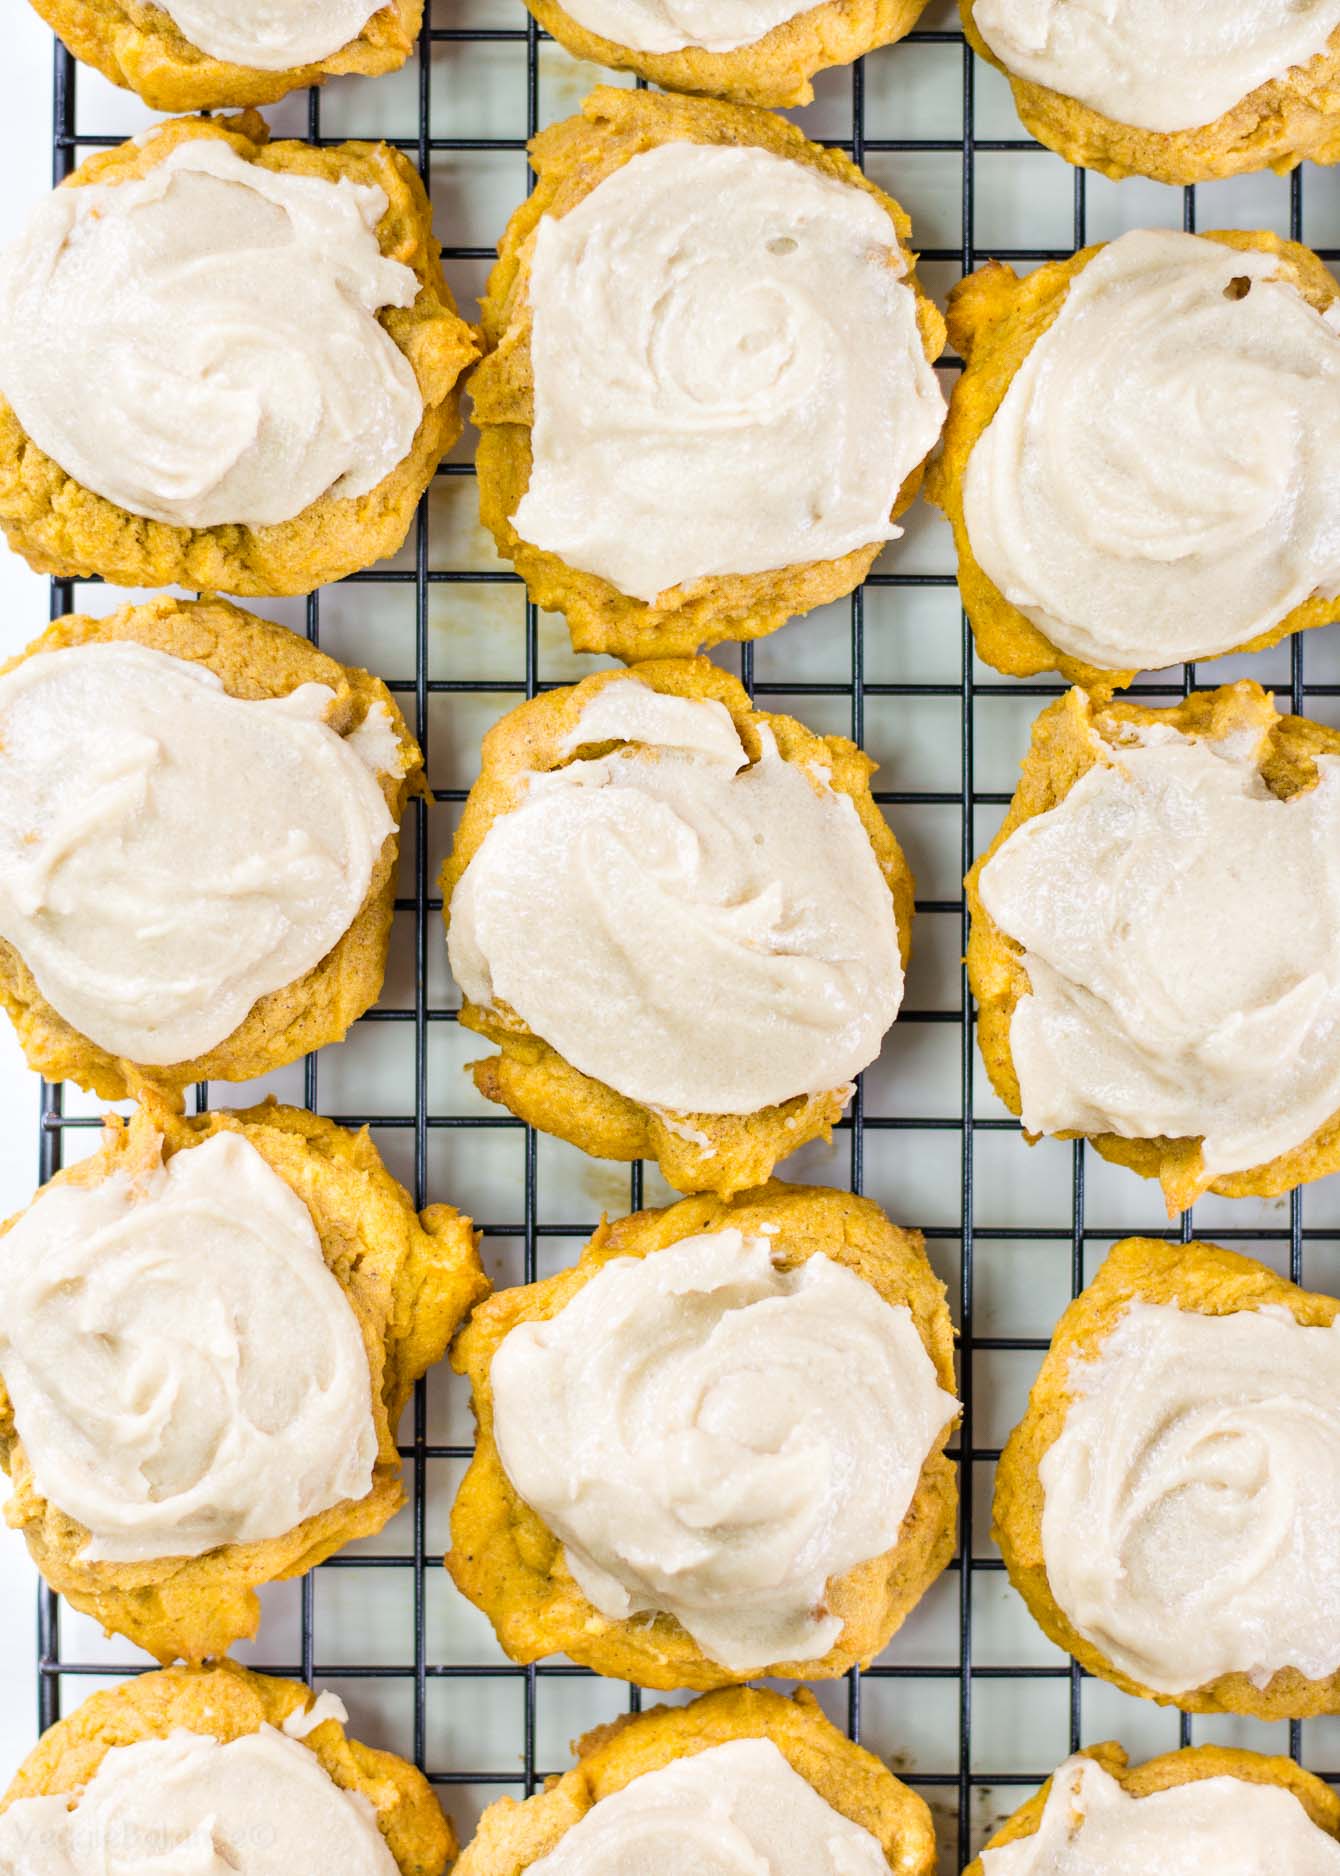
[(967, 1794)]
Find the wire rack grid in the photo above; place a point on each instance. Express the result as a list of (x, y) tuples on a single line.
[(970, 1704)]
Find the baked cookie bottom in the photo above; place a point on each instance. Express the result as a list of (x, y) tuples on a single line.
[(1182, 1768), (513, 1835), (1061, 750), (1200, 1277), (226, 1703), (773, 72), (570, 159), (720, 1153), (139, 46), (254, 658), (1274, 127), (510, 1565), (995, 320), (61, 527), (409, 1278)]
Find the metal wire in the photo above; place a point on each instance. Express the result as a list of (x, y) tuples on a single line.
[(954, 1786)]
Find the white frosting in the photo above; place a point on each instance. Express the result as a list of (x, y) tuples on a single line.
[(1191, 1525), (1181, 934), (1092, 1827), (188, 1805), (210, 850), (733, 1810), (1160, 481), (1156, 64), (702, 935), (271, 35), (715, 1438), (728, 372), (201, 345), (185, 1370), (673, 25)]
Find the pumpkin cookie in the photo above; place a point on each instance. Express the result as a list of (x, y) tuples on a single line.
[(683, 921), (1166, 1507), (1161, 89), (213, 898), (743, 1752), (255, 1766), (1095, 464), (588, 1385), (164, 417), (1154, 946), (279, 1287), (676, 445)]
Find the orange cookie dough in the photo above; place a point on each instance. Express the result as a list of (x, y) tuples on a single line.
[(996, 317), (511, 1566), (254, 658), (1274, 127), (62, 528), (721, 1153), (512, 1836), (409, 1278), (226, 1703), (140, 46), (570, 159), (1062, 749), (1212, 1282), (774, 71)]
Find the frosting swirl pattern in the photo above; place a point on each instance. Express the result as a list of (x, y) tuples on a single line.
[(1181, 935), (215, 850), (189, 1805), (729, 375), (734, 1810), (185, 1370), (714, 1438), (200, 344), (673, 25), (753, 955), (1191, 1523), (1162, 65), (1090, 1826), (1159, 481), (271, 35)]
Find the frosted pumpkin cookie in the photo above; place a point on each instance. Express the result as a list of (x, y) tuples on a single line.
[(709, 385), (751, 51), (1206, 1807), (1168, 89), (225, 365), (767, 1782), (203, 55), (1138, 462), (199, 820), (272, 1287), (683, 921), (714, 1449), (225, 1770), (1155, 944), (1169, 1506)]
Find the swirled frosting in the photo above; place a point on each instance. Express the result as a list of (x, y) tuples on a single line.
[(271, 35), (1155, 64), (728, 371), (1159, 481), (1180, 927), (1191, 1521), (734, 1810), (704, 934), (185, 1371), (214, 850), (714, 1438), (200, 344), (673, 25), (190, 1805), (1090, 1826)]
